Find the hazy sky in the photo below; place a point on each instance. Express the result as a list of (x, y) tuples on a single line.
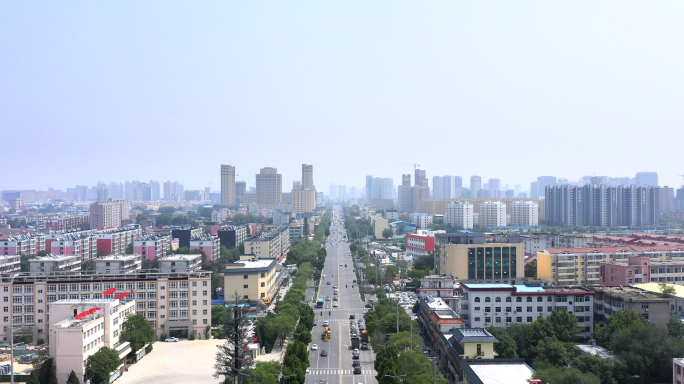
[(144, 90)]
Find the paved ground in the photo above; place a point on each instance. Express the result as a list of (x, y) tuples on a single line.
[(177, 363)]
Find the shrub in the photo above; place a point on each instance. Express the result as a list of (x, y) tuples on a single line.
[(192, 336), (163, 337)]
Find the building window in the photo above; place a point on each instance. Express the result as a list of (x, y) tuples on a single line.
[(477, 319), (246, 297), (540, 309), (245, 276), (477, 299), (518, 309), (245, 286), (508, 319), (518, 299), (487, 300), (518, 319), (498, 299), (509, 309), (508, 299), (529, 319), (497, 309)]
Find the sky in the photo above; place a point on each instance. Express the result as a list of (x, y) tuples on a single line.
[(169, 90)]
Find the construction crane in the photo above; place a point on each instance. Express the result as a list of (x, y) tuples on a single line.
[(415, 166)]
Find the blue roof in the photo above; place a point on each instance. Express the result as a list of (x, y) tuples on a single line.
[(527, 288)]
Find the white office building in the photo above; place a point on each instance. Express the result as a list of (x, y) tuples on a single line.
[(524, 213), (459, 214), (492, 214)]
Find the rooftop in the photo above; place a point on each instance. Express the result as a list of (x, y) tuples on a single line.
[(175, 257), (53, 258), (473, 335), (258, 264), (628, 292), (654, 288), (595, 350), (496, 371), (116, 258), (203, 238)]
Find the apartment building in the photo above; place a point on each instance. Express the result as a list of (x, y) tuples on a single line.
[(581, 266), (27, 244), (116, 240), (475, 258), (648, 305), (118, 264), (500, 305), (270, 245), (232, 236), (152, 246), (303, 200), (459, 214), (253, 279), (54, 263), (109, 214), (185, 234), (180, 263), (421, 243), (10, 264), (81, 245), (210, 245), (83, 327), (638, 270), (444, 287), (422, 220), (492, 214), (524, 213), (269, 188), (540, 241), (175, 303), (61, 222)]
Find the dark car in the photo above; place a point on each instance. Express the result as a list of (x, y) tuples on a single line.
[(328, 283), (356, 363), (351, 317), (324, 352), (369, 305), (354, 281), (357, 370)]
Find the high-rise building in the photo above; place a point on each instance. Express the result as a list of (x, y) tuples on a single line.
[(227, 185), (108, 214), (341, 192), (156, 190), (420, 177), (404, 194), (269, 188), (647, 178), (332, 191), (534, 191), (240, 189), (379, 188), (459, 214), (494, 186), (475, 185), (446, 187), (102, 194), (492, 214), (542, 183), (307, 177), (524, 213)]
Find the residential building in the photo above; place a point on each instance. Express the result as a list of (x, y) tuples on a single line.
[(459, 214), (540, 241), (81, 328), (391, 214), (10, 264), (307, 177), (539, 188), (175, 304), (227, 185), (497, 371), (581, 266), (118, 264), (180, 263), (61, 222), (269, 245), (303, 200), (26, 244), (472, 257), (117, 240), (341, 193), (152, 246), (446, 187), (475, 185), (253, 279), (444, 287), (378, 225), (108, 214), (500, 305), (269, 188), (421, 243), (232, 236), (210, 245), (184, 235), (83, 245), (422, 220), (492, 214), (240, 189), (54, 263), (379, 188), (524, 213), (651, 306), (647, 178), (677, 370)]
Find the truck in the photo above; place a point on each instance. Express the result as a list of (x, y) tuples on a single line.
[(364, 339), (355, 342), (326, 333)]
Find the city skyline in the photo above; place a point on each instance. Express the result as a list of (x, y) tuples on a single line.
[(524, 91)]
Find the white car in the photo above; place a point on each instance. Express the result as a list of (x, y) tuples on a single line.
[(335, 304), (171, 340), (314, 347)]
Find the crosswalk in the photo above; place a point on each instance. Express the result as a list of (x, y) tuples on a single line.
[(334, 320), (323, 372)]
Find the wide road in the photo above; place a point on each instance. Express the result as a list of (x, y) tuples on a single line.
[(337, 368)]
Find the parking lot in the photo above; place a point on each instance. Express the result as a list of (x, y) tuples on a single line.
[(181, 362)]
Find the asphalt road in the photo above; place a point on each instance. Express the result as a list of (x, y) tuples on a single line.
[(337, 368)]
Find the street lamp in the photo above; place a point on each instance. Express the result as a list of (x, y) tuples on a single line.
[(287, 378)]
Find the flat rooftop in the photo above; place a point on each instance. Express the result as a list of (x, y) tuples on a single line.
[(116, 258), (181, 257), (628, 292), (654, 288), (52, 257), (500, 373)]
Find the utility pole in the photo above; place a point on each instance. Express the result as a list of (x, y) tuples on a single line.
[(411, 337), (397, 316)]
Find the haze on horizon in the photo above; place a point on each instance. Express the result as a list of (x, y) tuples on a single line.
[(169, 91)]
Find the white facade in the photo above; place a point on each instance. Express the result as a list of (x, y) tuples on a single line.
[(492, 214), (180, 263), (459, 214), (115, 264), (73, 340), (52, 263), (524, 213)]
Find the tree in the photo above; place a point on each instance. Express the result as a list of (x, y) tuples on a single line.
[(666, 290), (675, 326), (647, 349), (327, 232), (129, 248), (387, 233), (618, 321), (138, 331), (563, 325), (522, 335), (554, 352), (531, 269), (302, 334), (386, 363), (265, 372), (425, 262), (219, 315), (230, 358), (150, 263), (33, 378), (44, 371), (609, 371), (101, 364), (562, 375), (73, 379), (506, 347), (88, 265)]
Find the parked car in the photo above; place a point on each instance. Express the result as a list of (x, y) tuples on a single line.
[(171, 340)]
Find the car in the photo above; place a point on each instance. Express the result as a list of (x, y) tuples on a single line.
[(351, 317), (326, 323), (323, 275), (314, 347), (335, 305), (324, 353), (340, 265), (327, 298), (356, 363), (335, 298), (355, 354), (328, 283), (369, 305), (171, 340), (354, 281)]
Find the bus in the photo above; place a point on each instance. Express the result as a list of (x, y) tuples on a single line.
[(320, 302)]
